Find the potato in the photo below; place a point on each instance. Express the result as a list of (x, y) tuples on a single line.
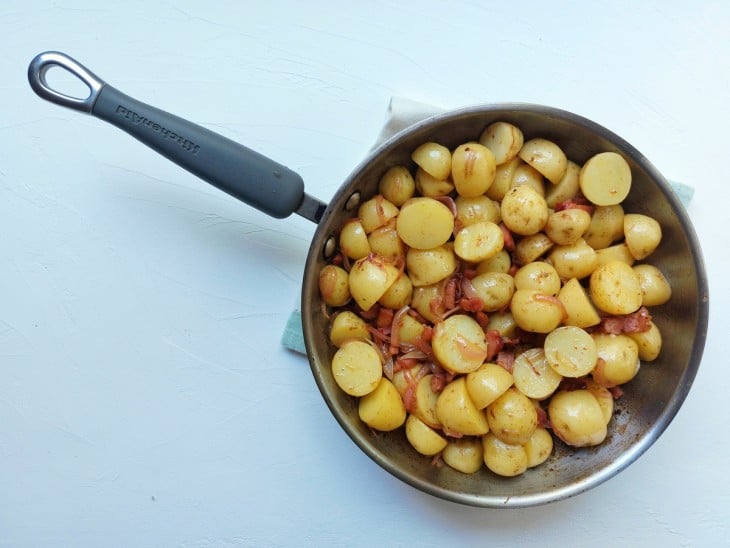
[(503, 179), (502, 458), (540, 276), (539, 447), (605, 179), (649, 342), (523, 210), (369, 279), (404, 381), (472, 169), (430, 266), (503, 323), (576, 260), (577, 418), (354, 240), (495, 289), (425, 223), (512, 417), (421, 302), (607, 226), (619, 252), (347, 326), (470, 211), (333, 285), (527, 175), (615, 288), (566, 226), (604, 398), (357, 368), (397, 185), (376, 212), (382, 409), (459, 344), (398, 294), (655, 289), (425, 402), (464, 454), (531, 248), (533, 375), (503, 139), (642, 233), (566, 188), (535, 311), (579, 310), (546, 157), (434, 158), (570, 351), (457, 413), (422, 437), (478, 242), (501, 262), (487, 383), (385, 242), (618, 359), (430, 187), (409, 329)]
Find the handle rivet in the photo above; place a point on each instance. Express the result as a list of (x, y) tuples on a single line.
[(353, 201), (330, 246)]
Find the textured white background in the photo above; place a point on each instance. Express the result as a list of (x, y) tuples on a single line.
[(144, 397)]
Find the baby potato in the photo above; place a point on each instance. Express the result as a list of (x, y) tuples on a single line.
[(618, 252), (464, 454), (409, 329), (504, 140), (385, 242), (503, 323), (353, 239), (512, 417), (576, 260), (425, 402), (459, 344), (369, 279), (538, 447), (357, 368), (333, 285), (397, 185), (540, 276), (570, 351), (470, 211), (472, 169), (618, 359), (457, 413), (566, 188), (531, 248), (347, 326), (533, 375), (577, 418), (495, 289), (502, 458), (523, 210), (430, 187), (429, 266), (535, 311), (503, 179), (566, 226), (615, 288), (403, 380), (376, 212), (478, 242), (607, 226), (422, 300), (643, 234), (546, 157), (655, 289), (488, 383), (422, 437), (398, 294), (605, 179), (527, 175), (649, 342), (501, 262), (425, 223), (434, 158), (579, 310), (604, 398), (382, 409)]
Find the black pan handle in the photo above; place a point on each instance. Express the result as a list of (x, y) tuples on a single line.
[(227, 165)]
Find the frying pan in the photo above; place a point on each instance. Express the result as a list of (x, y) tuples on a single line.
[(651, 400)]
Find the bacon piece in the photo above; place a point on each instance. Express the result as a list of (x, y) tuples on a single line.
[(506, 360), (474, 304), (636, 322), (616, 392), (385, 318), (575, 203), (542, 417)]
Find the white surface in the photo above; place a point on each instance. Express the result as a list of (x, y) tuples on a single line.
[(144, 398)]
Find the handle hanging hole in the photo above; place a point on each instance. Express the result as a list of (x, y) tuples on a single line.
[(37, 76)]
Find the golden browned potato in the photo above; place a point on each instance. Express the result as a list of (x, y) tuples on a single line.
[(576, 260), (487, 383), (347, 326), (472, 169), (398, 294), (512, 417), (430, 266), (535, 311), (643, 234), (540, 276), (459, 344), (503, 179), (615, 288), (577, 418), (533, 375), (502, 458), (397, 185), (478, 242), (649, 342), (618, 359), (546, 157), (376, 212), (566, 188), (501, 262), (385, 242), (495, 289), (607, 226), (617, 252), (457, 413), (425, 223), (354, 240), (531, 248), (655, 289), (333, 285), (382, 409), (566, 226), (579, 310), (571, 351), (369, 279), (476, 210), (422, 437), (430, 187), (464, 454), (527, 175), (357, 368), (434, 158), (523, 210), (504, 140), (539, 447)]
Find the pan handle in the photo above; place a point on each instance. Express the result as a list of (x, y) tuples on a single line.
[(227, 165)]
